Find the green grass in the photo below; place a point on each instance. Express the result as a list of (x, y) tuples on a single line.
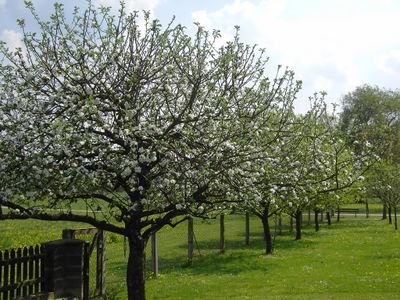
[(357, 258)]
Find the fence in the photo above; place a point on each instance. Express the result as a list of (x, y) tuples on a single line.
[(21, 272)]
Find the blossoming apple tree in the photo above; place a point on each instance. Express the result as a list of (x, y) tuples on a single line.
[(140, 124)]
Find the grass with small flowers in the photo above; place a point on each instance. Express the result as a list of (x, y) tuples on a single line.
[(357, 258)]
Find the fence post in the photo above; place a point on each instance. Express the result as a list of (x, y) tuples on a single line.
[(67, 234), (1, 271), (12, 273), (222, 233), (65, 264), (6, 274), (247, 228), (101, 263), (154, 254), (190, 240), (86, 265)]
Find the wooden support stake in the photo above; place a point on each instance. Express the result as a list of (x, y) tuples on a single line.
[(154, 255), (247, 228), (101, 264), (222, 233), (190, 241)]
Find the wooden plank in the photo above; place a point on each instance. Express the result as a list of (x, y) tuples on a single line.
[(19, 272), (5, 274), (1, 270), (25, 270), (12, 273), (42, 258), (30, 269), (36, 268)]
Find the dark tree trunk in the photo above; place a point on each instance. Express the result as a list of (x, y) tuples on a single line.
[(390, 214), (395, 217), (267, 233), (316, 219), (135, 274), (384, 211), (338, 214), (280, 224), (298, 225), (366, 208), (328, 217)]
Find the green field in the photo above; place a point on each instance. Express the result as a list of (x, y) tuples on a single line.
[(357, 258)]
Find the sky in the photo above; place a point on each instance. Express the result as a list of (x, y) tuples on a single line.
[(332, 45)]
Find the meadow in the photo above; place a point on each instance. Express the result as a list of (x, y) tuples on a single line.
[(357, 258)]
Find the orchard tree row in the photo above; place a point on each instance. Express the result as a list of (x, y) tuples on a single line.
[(145, 125), (372, 114)]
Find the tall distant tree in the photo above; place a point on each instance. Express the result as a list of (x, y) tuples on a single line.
[(142, 123), (373, 114)]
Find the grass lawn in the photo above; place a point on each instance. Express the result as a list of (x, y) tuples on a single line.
[(357, 258)]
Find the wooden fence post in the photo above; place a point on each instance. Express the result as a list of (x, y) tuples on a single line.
[(190, 240), (101, 264), (247, 228), (6, 275), (222, 233), (65, 263), (85, 275), (154, 255)]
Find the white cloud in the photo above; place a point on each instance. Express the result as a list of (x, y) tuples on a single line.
[(390, 63), (2, 3), (131, 5), (339, 35), (12, 38)]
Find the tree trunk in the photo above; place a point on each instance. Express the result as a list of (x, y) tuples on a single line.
[(390, 214), (328, 217), (298, 225), (135, 275), (280, 224), (384, 211), (316, 220), (267, 233), (395, 217), (366, 208), (338, 214)]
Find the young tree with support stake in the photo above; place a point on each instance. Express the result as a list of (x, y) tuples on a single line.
[(140, 124)]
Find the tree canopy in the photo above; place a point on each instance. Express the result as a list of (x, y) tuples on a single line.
[(143, 125), (373, 114), (138, 123)]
